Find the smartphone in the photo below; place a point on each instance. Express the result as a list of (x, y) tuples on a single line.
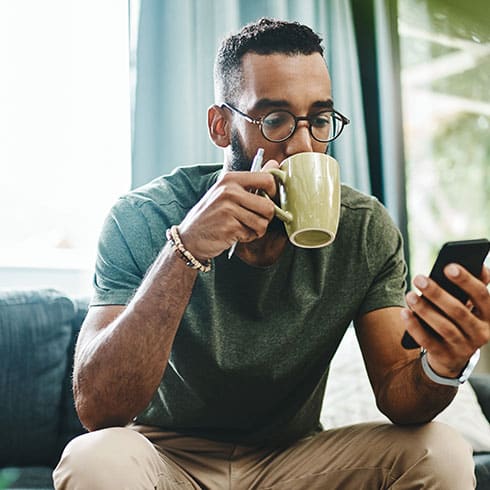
[(470, 254)]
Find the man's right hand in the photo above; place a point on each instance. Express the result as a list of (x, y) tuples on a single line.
[(229, 212)]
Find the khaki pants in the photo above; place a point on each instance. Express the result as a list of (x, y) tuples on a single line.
[(365, 456)]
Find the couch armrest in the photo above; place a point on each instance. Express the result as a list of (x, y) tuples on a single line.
[(35, 335), (481, 385)]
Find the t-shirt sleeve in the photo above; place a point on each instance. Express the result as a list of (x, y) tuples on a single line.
[(385, 261), (124, 254)]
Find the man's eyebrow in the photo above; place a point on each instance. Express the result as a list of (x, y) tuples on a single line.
[(323, 104), (266, 103), (271, 103)]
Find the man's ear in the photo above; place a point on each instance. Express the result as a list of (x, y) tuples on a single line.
[(219, 126)]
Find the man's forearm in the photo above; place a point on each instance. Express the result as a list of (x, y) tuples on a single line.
[(409, 397), (118, 370)]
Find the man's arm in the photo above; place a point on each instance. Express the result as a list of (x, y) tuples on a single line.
[(403, 392), (122, 352)]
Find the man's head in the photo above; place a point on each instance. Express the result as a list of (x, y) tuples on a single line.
[(263, 37), (268, 66)]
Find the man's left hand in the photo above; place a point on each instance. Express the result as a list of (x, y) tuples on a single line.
[(462, 331)]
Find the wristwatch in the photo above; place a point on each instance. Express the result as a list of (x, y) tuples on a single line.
[(441, 380)]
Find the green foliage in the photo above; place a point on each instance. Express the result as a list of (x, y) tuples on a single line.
[(450, 189), (446, 74), (462, 160)]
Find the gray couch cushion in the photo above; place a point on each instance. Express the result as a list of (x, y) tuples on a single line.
[(34, 477), (482, 471), (35, 335), (70, 424)]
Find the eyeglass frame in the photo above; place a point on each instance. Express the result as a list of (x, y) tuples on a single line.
[(259, 122)]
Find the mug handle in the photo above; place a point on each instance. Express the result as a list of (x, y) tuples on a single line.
[(283, 215)]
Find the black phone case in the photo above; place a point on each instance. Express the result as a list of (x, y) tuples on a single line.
[(470, 254)]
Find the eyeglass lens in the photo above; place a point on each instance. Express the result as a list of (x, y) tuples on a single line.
[(279, 125)]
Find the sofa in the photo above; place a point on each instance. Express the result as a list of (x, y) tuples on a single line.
[(38, 330)]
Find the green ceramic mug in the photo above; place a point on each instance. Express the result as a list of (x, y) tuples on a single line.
[(309, 195)]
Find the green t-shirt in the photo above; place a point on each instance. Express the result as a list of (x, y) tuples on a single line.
[(250, 359)]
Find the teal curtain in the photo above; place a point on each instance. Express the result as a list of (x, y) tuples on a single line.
[(173, 46), (376, 32)]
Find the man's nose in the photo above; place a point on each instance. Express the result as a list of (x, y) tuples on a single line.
[(301, 140)]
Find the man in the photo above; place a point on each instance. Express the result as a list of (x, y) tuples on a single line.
[(220, 364)]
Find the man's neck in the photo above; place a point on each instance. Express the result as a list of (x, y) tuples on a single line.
[(263, 251)]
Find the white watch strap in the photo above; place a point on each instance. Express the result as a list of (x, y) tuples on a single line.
[(465, 374)]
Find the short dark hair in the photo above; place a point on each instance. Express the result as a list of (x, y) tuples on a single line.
[(264, 36)]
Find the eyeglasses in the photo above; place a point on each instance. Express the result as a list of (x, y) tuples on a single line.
[(278, 126)]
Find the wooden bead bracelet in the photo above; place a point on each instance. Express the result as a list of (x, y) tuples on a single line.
[(173, 237)]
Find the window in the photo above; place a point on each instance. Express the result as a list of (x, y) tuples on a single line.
[(445, 58), (64, 131)]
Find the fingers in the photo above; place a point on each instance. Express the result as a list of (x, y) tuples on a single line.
[(485, 275), (227, 213), (477, 291), (420, 329), (438, 327), (244, 220), (250, 181), (456, 331), (450, 318)]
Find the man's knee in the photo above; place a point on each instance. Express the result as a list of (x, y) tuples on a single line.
[(438, 456), (104, 447), (104, 459)]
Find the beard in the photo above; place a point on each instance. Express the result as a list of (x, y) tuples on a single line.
[(241, 162)]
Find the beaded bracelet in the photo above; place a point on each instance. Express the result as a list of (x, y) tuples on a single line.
[(173, 237)]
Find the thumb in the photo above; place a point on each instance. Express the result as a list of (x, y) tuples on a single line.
[(270, 164), (485, 275)]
